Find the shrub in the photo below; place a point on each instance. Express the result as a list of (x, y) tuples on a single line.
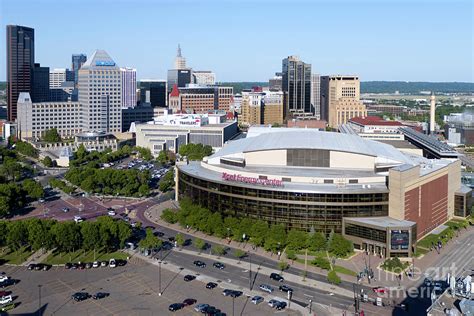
[(333, 278), (169, 216), (321, 263)]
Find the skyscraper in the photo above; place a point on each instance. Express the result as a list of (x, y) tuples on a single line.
[(315, 95), (154, 92), (180, 77), (129, 87), (40, 84), (296, 85), (20, 63), (77, 61), (204, 77), (180, 61), (340, 99), (100, 93), (59, 75)]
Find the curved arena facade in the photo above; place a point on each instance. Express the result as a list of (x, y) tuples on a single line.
[(307, 179)]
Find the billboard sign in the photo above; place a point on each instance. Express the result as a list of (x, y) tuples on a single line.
[(400, 239), (251, 180)]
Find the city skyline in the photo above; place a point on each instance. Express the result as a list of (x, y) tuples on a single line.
[(377, 41)]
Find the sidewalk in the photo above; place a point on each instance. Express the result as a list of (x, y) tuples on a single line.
[(317, 308), (37, 257)]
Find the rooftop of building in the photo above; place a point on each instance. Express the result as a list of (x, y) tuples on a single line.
[(99, 58), (373, 120), (382, 222), (399, 144)]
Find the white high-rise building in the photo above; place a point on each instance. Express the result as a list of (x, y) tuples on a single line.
[(100, 93), (204, 77), (58, 76), (180, 61), (316, 95), (129, 87)]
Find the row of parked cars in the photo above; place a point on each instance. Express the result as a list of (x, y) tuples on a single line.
[(6, 297), (205, 309), (112, 263), (82, 296)]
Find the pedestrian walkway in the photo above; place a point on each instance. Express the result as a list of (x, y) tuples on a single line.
[(37, 257)]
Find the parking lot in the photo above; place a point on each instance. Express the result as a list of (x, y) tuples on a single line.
[(133, 291)]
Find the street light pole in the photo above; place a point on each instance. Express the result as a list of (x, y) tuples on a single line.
[(233, 298), (39, 297), (159, 271), (250, 272)]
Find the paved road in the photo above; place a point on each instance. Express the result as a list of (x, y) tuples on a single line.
[(302, 293)]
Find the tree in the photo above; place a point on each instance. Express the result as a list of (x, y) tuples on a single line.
[(317, 242), (150, 241), (218, 250), (26, 149), (3, 233), (17, 235), (90, 235), (296, 239), (195, 151), (145, 153), (200, 244), (33, 189), (169, 216), (238, 253), (283, 265), (339, 246), (290, 254), (124, 232), (167, 182), (68, 236), (258, 232), (51, 136), (322, 263), (162, 157), (333, 278), (276, 238), (47, 162), (180, 240)]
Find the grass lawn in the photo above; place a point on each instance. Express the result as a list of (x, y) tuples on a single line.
[(312, 253), (81, 256), (343, 270), (15, 257), (420, 251)]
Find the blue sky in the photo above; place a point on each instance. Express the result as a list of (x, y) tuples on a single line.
[(419, 40)]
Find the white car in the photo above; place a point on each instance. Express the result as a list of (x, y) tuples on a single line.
[(111, 213), (6, 299), (95, 264), (78, 219), (112, 263), (3, 277)]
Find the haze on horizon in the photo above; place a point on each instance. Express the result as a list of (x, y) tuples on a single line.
[(418, 40)]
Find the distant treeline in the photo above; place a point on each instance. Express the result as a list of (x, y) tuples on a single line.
[(415, 87), (383, 86)]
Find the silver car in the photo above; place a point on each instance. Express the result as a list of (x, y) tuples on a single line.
[(266, 288)]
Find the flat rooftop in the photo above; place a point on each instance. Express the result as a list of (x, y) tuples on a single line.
[(382, 222)]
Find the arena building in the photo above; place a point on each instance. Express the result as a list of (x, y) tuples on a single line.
[(377, 196)]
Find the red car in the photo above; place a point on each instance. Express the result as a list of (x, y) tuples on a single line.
[(189, 301), (5, 293), (380, 290)]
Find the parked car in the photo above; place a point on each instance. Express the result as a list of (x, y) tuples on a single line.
[(218, 265), (100, 295), (266, 288), (4, 277), (103, 264), (380, 290), (112, 263), (189, 301), (80, 296), (65, 209), (285, 288), (88, 265), (96, 264), (5, 293), (227, 292), (189, 277), (200, 307), (257, 299), (199, 263), (236, 293), (175, 307), (7, 283), (7, 307), (428, 281), (159, 234), (32, 266), (272, 303), (276, 277), (280, 305), (6, 299), (68, 265), (111, 212), (211, 285)]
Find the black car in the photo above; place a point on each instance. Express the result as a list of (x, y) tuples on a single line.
[(74, 266), (80, 296), (159, 234), (189, 301), (285, 288), (210, 311), (211, 285), (276, 277), (88, 265), (121, 262), (171, 238), (68, 265), (280, 305), (189, 277), (32, 266), (199, 263), (175, 307), (8, 282), (38, 267), (218, 265), (99, 295), (236, 294)]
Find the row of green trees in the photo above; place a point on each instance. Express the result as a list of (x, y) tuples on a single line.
[(105, 233), (258, 232), (166, 156), (167, 182), (110, 181), (82, 156), (195, 151), (61, 185)]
